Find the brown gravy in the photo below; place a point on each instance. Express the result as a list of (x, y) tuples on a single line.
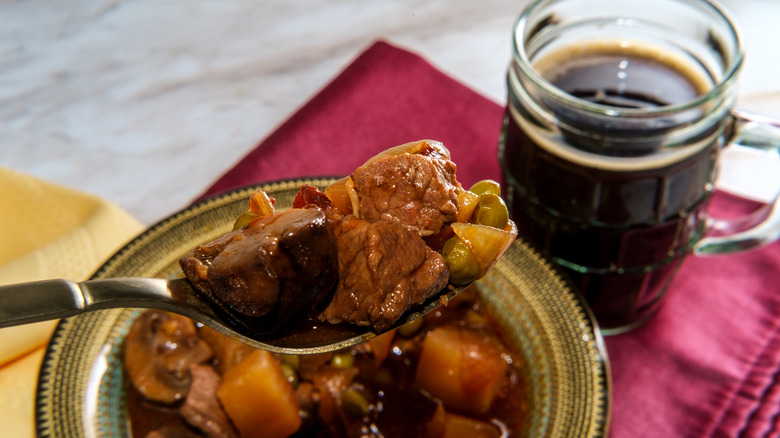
[(393, 382)]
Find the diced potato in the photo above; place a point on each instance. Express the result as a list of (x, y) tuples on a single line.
[(457, 426), (461, 367), (258, 398)]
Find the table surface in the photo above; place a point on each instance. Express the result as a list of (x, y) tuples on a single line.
[(147, 102)]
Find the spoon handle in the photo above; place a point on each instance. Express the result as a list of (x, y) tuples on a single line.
[(25, 303)]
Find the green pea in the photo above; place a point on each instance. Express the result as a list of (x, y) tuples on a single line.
[(384, 377), (492, 211), (464, 268), (486, 186), (354, 403), (342, 360), (290, 374), (290, 359), (244, 219), (410, 328), (474, 319)]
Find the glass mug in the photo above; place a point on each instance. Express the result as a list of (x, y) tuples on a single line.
[(617, 113)]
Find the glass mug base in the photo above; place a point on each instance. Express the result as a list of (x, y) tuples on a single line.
[(624, 301), (612, 331)]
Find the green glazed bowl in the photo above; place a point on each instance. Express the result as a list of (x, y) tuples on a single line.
[(81, 384)]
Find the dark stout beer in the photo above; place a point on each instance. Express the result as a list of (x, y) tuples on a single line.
[(617, 215)]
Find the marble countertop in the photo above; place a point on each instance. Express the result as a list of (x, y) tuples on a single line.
[(146, 102)]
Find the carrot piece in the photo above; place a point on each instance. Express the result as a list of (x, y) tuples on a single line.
[(380, 345)]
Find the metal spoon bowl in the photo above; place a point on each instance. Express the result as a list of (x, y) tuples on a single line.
[(25, 303), (119, 283)]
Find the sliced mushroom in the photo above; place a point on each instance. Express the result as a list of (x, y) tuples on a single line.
[(158, 353)]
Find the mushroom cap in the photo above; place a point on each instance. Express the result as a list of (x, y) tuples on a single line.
[(158, 353)]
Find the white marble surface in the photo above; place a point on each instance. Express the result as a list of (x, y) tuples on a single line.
[(145, 102)]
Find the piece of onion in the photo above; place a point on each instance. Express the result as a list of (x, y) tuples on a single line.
[(349, 185), (487, 244), (414, 147), (339, 194), (467, 203), (261, 204)]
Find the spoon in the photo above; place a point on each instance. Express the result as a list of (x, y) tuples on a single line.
[(25, 303)]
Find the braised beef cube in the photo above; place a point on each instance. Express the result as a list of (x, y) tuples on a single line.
[(330, 383), (310, 364), (270, 270), (384, 269), (417, 191), (308, 400), (201, 408), (409, 412)]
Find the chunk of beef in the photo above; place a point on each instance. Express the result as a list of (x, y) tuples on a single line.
[(423, 415), (158, 352), (201, 408), (310, 364), (350, 408), (384, 269), (271, 269), (330, 383), (308, 401), (417, 191)]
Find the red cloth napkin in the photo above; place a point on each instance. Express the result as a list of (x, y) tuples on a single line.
[(707, 365)]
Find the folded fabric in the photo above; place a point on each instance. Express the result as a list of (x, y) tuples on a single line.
[(709, 363), (49, 231), (706, 365)]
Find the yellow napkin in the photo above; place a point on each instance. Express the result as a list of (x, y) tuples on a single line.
[(46, 231)]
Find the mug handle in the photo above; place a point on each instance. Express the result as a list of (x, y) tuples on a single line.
[(724, 236)]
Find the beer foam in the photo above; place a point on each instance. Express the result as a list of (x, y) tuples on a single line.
[(693, 72), (557, 147)]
